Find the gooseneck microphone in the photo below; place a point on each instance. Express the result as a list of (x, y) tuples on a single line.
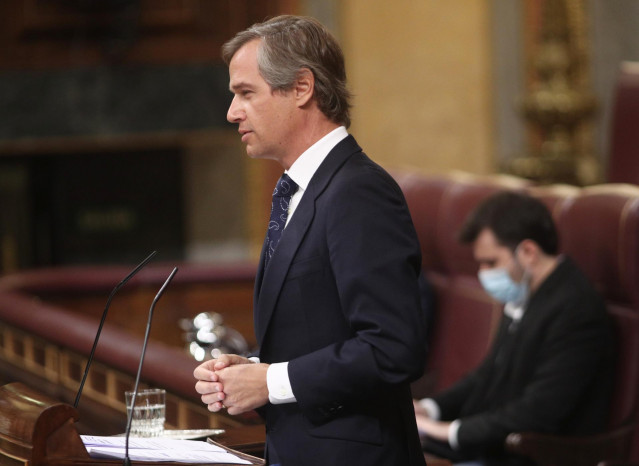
[(104, 314), (127, 461)]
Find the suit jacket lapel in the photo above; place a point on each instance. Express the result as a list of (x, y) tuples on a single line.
[(269, 282), (259, 276), (274, 275)]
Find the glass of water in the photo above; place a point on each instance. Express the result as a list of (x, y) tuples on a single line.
[(149, 412)]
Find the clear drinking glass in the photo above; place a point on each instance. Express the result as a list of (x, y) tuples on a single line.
[(149, 412)]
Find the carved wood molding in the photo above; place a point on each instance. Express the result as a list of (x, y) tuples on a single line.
[(60, 370)]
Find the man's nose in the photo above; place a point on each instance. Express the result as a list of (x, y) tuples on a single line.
[(234, 114)]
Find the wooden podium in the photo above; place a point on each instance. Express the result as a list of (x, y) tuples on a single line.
[(36, 430)]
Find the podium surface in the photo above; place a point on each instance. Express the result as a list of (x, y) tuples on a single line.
[(37, 430)]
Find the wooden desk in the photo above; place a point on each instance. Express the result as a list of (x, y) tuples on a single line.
[(36, 430), (250, 439), (247, 439)]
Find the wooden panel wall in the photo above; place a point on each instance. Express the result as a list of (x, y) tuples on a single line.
[(68, 33), (421, 73)]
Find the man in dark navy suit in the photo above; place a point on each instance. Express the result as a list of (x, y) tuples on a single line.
[(337, 303)]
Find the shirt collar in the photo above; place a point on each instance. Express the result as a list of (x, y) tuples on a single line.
[(307, 164), (514, 311)]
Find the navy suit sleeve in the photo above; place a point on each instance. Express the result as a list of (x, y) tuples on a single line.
[(374, 257)]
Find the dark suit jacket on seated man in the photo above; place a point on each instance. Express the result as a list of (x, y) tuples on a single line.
[(337, 307), (549, 366)]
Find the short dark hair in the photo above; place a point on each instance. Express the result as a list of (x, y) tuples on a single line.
[(512, 217), (290, 44)]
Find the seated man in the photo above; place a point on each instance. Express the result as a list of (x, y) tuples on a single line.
[(549, 368)]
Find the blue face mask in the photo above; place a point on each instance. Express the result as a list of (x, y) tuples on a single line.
[(499, 285)]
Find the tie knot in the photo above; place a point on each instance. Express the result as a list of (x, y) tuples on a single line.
[(285, 187)]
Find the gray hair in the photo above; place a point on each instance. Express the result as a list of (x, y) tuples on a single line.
[(290, 44)]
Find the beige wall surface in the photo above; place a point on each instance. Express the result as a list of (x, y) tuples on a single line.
[(420, 71)]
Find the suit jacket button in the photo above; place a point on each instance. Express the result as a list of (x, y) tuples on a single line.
[(334, 408)]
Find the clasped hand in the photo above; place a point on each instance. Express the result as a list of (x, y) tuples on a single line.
[(429, 427), (232, 382)]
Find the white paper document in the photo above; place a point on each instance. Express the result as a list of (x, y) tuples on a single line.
[(159, 449)]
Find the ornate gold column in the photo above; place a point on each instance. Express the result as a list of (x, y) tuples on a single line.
[(559, 106)]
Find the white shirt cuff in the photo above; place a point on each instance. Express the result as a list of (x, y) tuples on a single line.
[(279, 385), (432, 408), (453, 441)]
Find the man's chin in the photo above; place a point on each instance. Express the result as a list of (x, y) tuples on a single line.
[(255, 154), (251, 153)]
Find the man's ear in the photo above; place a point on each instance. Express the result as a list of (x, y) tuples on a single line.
[(529, 250), (304, 87)]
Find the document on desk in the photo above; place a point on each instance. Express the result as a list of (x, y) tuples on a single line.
[(159, 449)]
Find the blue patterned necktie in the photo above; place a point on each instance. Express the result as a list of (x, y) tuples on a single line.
[(282, 193)]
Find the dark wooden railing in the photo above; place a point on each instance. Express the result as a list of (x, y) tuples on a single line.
[(49, 318)]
